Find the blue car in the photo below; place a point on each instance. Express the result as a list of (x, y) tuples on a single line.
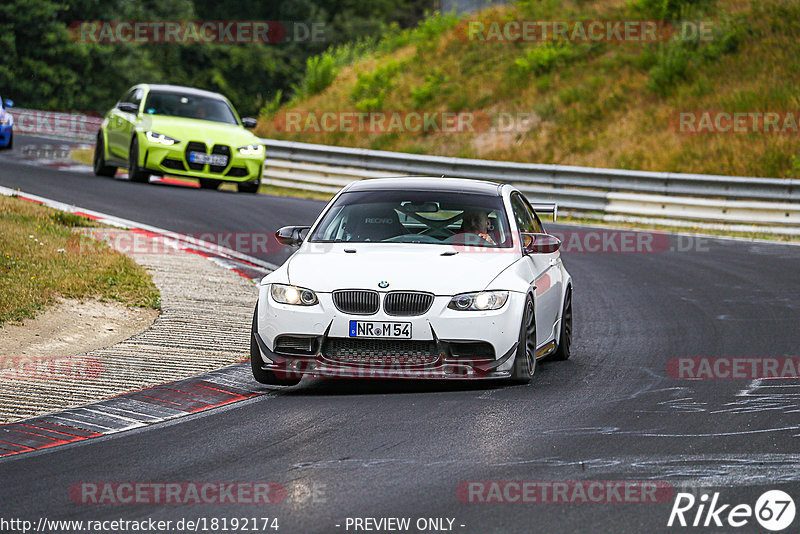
[(6, 125)]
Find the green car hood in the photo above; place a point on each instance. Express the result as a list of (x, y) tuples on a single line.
[(209, 132)]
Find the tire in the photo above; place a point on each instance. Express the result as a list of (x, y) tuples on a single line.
[(565, 338), (10, 141), (135, 173), (264, 376), (208, 183), (99, 165), (525, 358)]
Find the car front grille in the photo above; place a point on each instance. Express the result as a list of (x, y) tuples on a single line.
[(194, 146), (381, 352), (356, 301), (223, 150), (407, 303)]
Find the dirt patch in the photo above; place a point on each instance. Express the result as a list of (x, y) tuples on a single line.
[(73, 327)]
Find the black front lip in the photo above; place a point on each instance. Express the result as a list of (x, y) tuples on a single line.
[(445, 367)]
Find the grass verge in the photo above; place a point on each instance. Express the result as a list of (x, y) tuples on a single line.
[(41, 260), (83, 155)]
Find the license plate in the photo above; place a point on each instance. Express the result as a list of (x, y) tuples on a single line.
[(208, 159), (380, 329)]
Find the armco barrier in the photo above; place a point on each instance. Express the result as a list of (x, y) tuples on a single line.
[(729, 202)]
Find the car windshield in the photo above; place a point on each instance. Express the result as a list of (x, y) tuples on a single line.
[(433, 217), (189, 106)]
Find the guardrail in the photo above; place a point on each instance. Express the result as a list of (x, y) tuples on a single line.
[(728, 202)]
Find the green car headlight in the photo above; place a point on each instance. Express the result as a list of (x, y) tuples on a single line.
[(297, 296), (479, 301), (251, 150), (162, 139)]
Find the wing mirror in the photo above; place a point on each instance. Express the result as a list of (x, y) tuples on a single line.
[(9, 103), (539, 243), (249, 123), (292, 236), (128, 107)]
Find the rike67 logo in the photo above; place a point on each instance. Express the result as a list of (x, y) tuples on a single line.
[(774, 510)]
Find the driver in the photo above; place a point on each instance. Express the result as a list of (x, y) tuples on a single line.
[(477, 222)]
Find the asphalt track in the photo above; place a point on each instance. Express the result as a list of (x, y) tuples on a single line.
[(401, 449)]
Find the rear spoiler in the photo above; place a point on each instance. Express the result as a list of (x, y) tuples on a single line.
[(546, 207)]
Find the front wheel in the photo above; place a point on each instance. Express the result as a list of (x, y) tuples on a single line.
[(135, 173), (99, 166), (525, 358), (565, 339), (264, 376), (10, 144)]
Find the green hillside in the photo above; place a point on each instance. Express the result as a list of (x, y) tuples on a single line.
[(607, 103)]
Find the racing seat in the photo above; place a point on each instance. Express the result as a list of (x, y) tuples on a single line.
[(374, 222)]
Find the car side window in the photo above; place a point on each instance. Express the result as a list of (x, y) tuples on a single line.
[(525, 223), (137, 96), (537, 223), (127, 97)]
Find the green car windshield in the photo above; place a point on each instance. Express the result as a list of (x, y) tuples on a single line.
[(189, 106)]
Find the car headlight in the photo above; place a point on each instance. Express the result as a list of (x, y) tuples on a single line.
[(154, 137), (5, 120), (251, 150), (479, 301), (297, 296)]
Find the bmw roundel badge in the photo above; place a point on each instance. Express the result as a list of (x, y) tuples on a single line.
[(383, 284)]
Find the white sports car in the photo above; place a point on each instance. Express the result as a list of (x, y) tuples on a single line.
[(415, 278)]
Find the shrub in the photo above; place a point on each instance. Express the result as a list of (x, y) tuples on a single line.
[(370, 89)]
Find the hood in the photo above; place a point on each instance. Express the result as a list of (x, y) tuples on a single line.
[(186, 130), (325, 267)]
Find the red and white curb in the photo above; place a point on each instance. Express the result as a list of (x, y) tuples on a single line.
[(131, 410)]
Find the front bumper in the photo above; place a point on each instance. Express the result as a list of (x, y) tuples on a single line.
[(171, 160), (445, 343)]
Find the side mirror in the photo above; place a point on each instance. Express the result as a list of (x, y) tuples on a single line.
[(127, 107), (292, 236), (539, 243), (9, 103), (249, 123)]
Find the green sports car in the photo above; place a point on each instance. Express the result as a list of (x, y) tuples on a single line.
[(179, 131)]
